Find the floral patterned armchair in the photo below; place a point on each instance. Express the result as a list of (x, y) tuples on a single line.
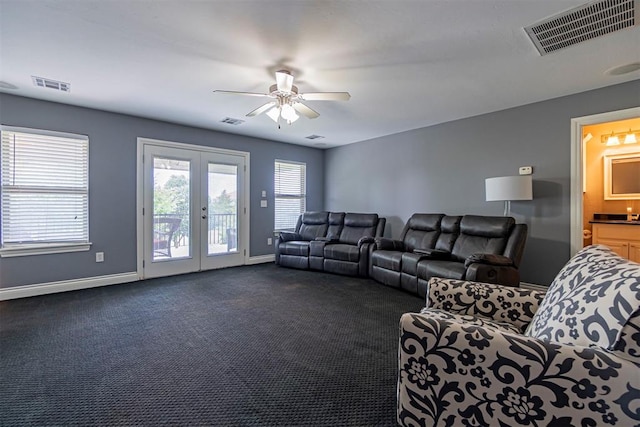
[(489, 355)]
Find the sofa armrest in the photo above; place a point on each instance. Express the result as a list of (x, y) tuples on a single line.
[(496, 302), (386, 244), (489, 273), (287, 236), (456, 373), (365, 239), (489, 259), (433, 253)]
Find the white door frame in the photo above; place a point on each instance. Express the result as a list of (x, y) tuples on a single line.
[(577, 166), (243, 220)]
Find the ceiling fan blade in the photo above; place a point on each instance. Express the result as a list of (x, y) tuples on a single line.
[(284, 81), (304, 110), (231, 92), (261, 109), (325, 96)]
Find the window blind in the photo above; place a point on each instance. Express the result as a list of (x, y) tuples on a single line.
[(290, 193), (45, 187)]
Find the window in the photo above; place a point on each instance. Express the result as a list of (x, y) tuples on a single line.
[(45, 192), (290, 190)]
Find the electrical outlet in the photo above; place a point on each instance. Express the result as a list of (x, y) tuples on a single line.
[(269, 241), (263, 203), (99, 256), (526, 170)]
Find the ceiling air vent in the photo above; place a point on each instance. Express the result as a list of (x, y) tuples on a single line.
[(314, 137), (51, 84), (231, 121), (582, 23)]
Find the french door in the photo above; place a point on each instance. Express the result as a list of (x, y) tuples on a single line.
[(194, 213)]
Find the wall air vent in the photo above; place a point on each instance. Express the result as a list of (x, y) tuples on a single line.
[(51, 84), (231, 121), (583, 23)]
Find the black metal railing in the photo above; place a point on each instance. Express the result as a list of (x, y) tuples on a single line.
[(222, 228)]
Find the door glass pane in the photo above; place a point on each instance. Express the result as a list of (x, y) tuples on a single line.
[(222, 232), (171, 207)]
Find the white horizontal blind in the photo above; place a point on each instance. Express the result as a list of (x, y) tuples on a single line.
[(290, 193), (45, 187)]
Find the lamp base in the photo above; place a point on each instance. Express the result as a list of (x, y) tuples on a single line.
[(507, 208)]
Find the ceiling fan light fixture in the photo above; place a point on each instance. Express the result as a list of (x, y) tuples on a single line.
[(288, 113), (274, 114)]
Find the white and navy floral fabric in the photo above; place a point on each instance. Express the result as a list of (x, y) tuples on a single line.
[(500, 303), (456, 374), (464, 367), (590, 300), (472, 320)]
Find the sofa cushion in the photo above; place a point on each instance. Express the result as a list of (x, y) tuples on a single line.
[(449, 231), (487, 226), (428, 268), (342, 252), (336, 222), (482, 234), (296, 247), (590, 300), (314, 224), (410, 263), (357, 226), (389, 260), (422, 231)]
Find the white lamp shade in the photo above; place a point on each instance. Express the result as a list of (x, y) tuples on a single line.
[(508, 188)]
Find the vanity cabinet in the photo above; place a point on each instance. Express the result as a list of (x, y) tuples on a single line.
[(623, 239)]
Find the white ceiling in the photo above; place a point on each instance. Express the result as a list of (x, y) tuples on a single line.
[(407, 64)]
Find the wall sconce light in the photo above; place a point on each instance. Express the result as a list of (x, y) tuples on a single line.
[(508, 188), (630, 137)]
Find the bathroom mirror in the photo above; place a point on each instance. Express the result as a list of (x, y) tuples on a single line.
[(622, 176)]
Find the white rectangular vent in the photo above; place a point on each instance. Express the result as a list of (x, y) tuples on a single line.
[(51, 84), (230, 121), (582, 23), (314, 137)]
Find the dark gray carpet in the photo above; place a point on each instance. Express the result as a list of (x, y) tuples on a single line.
[(248, 346)]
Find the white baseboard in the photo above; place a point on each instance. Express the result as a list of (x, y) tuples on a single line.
[(91, 282), (261, 259), (66, 285)]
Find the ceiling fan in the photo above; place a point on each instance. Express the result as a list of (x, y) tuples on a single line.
[(286, 101)]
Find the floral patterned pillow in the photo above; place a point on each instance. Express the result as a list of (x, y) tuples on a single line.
[(589, 301)]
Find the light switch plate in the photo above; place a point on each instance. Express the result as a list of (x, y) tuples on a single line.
[(263, 203), (526, 170)]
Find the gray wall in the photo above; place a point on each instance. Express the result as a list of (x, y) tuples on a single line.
[(442, 168), (112, 184)]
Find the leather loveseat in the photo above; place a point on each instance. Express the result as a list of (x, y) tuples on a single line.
[(336, 242), (470, 247)]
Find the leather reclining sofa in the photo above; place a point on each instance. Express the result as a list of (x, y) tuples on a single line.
[(470, 247), (335, 242)]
